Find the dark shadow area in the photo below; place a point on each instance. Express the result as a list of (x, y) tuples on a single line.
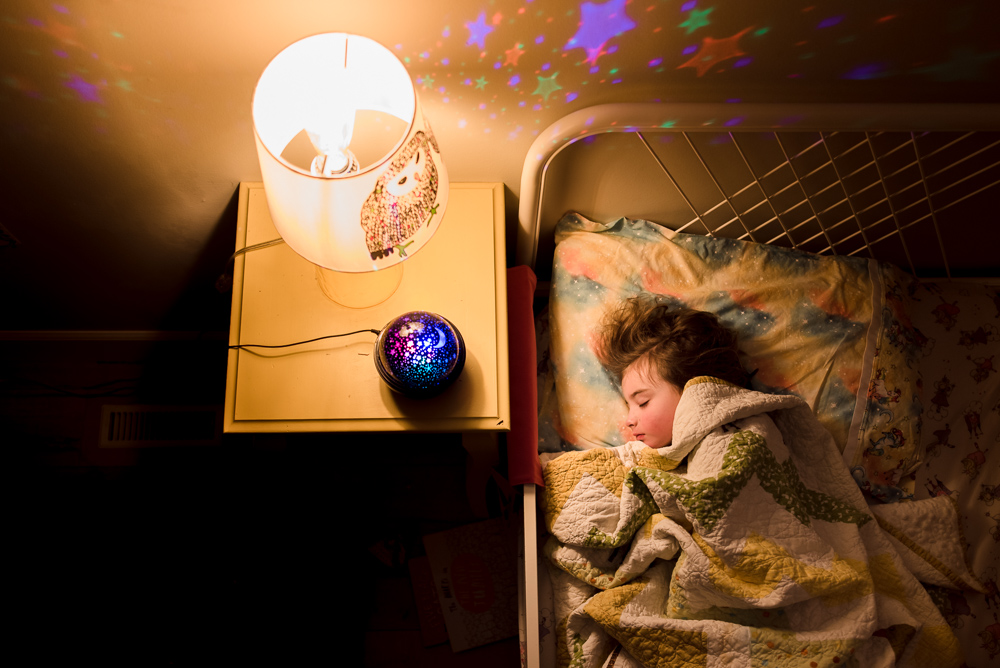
[(262, 550), (510, 204), (201, 306)]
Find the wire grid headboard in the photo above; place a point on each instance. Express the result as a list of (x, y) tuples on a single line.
[(910, 185)]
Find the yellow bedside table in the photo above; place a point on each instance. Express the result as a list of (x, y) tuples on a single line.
[(332, 384)]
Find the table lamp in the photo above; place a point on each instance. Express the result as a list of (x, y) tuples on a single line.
[(354, 179)]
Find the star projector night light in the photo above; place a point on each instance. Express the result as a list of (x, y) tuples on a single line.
[(419, 354)]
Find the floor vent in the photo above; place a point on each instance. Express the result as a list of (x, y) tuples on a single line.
[(135, 426)]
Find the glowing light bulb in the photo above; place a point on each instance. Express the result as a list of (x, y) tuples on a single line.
[(329, 117), (330, 120)]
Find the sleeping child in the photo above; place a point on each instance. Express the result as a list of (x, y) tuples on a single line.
[(653, 352), (728, 529)]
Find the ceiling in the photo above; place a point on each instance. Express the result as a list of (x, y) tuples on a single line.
[(125, 126)]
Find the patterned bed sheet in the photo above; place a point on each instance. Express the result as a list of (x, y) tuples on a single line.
[(905, 375), (959, 325)]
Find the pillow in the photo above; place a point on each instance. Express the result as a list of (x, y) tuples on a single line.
[(805, 322), (883, 447)]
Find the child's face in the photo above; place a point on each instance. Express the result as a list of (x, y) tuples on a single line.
[(652, 403)]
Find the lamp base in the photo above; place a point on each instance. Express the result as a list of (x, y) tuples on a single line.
[(359, 290)]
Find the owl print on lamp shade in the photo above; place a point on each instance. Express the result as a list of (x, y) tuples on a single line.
[(404, 199)]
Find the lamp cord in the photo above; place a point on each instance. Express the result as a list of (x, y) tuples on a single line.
[(224, 283), (247, 249), (299, 343), (266, 244)]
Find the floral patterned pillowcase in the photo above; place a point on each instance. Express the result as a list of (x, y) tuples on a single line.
[(883, 449)]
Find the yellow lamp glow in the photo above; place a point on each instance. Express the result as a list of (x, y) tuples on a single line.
[(353, 174)]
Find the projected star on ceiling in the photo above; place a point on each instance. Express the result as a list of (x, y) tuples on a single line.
[(61, 32), (478, 31), (547, 86), (715, 51), (697, 19), (598, 24), (513, 54), (88, 92)]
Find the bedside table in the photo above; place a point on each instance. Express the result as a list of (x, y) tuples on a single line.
[(332, 384)]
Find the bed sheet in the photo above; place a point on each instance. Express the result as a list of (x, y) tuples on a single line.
[(960, 364)]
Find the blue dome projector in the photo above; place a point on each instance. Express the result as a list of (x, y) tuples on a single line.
[(419, 354)]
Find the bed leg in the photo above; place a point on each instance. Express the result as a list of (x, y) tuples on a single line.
[(532, 654)]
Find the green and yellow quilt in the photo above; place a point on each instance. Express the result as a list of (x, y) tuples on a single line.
[(745, 542)]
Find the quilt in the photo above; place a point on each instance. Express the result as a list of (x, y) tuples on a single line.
[(746, 542)]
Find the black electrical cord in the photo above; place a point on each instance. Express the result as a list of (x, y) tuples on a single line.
[(224, 283), (299, 343), (247, 249), (267, 244)]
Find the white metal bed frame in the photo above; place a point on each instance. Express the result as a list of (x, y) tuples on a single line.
[(900, 184), (912, 181)]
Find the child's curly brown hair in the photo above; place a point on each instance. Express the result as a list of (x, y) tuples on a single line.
[(680, 343)]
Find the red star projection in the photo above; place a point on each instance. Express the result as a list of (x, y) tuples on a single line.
[(714, 51), (63, 33), (513, 55)]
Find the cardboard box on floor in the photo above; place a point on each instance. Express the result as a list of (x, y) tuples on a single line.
[(475, 573)]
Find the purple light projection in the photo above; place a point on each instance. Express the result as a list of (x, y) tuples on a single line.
[(501, 61), (598, 24), (519, 41), (543, 58), (88, 92), (478, 30), (78, 73)]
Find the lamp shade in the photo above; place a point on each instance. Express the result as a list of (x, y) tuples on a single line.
[(339, 213)]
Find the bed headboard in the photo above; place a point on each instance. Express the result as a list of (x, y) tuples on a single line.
[(912, 185)]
